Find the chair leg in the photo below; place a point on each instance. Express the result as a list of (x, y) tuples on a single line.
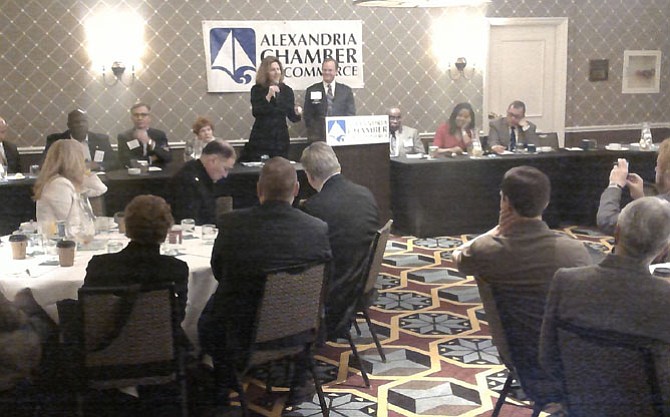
[(268, 379), (355, 323), (503, 395), (354, 351), (537, 409), (374, 335), (319, 390)]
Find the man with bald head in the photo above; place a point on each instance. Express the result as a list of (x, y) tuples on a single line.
[(97, 149), (9, 155), (403, 140), (250, 242)]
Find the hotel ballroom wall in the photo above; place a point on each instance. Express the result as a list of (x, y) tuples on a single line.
[(46, 70)]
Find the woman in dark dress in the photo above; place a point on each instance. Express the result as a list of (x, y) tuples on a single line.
[(272, 102)]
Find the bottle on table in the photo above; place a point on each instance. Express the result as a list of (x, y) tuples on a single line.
[(646, 141)]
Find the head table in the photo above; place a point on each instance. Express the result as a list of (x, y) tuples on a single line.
[(51, 283)]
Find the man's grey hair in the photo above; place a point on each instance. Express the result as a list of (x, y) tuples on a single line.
[(320, 161), (644, 227)]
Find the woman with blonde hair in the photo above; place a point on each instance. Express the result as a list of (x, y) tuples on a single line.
[(272, 102), (63, 177)]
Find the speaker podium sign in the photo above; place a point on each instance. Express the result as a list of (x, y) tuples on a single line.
[(357, 130)]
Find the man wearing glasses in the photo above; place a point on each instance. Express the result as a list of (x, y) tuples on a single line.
[(513, 131), (143, 142)]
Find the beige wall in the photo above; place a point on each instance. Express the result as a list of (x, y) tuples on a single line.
[(45, 67)]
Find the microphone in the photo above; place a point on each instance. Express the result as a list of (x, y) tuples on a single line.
[(276, 83)]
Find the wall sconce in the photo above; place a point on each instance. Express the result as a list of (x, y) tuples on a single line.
[(460, 65), (118, 68)]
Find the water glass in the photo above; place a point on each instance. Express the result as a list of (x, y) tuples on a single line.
[(209, 233), (188, 226)]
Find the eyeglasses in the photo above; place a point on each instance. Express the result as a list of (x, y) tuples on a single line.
[(138, 115), (516, 116), (394, 117)]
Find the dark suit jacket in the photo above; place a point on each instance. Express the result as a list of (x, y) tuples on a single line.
[(96, 142), (139, 264), (161, 150), (191, 192), (351, 213), (315, 110), (251, 241), (499, 133), (269, 134), (13, 159)]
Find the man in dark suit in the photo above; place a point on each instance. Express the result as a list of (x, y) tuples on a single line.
[(512, 131), (619, 294), (9, 155), (353, 218), (97, 149), (250, 242), (326, 98), (143, 142), (191, 190)]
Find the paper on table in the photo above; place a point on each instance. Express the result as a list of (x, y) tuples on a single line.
[(574, 148)]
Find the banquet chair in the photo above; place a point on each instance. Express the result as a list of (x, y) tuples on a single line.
[(128, 338), (369, 279), (547, 139), (608, 373), (286, 324), (224, 204)]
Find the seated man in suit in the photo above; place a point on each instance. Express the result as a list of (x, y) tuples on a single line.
[(9, 155), (513, 264), (404, 139), (620, 178), (513, 131), (143, 141), (327, 98), (619, 294), (353, 218), (97, 149), (251, 241), (192, 187)]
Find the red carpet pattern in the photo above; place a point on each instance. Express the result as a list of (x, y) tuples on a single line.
[(440, 357)]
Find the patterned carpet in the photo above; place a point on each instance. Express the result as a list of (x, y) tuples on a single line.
[(440, 357)]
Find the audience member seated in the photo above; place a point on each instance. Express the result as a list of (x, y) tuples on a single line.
[(620, 178), (204, 133), (9, 155), (192, 187), (455, 136), (404, 140), (148, 220), (352, 216), (619, 294), (513, 264), (97, 150), (250, 242), (143, 142), (513, 131), (62, 178)]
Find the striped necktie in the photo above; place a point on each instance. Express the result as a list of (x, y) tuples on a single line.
[(329, 100)]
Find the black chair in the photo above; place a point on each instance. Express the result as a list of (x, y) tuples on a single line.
[(128, 338), (547, 139), (287, 323), (520, 358), (607, 373), (369, 278)]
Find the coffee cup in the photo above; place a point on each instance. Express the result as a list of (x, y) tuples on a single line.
[(531, 148), (19, 244), (119, 218), (432, 150), (134, 171), (65, 250)]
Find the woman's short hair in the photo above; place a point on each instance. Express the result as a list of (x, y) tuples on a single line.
[(201, 122), (65, 157), (148, 219), (320, 161), (457, 109), (264, 69), (527, 189)]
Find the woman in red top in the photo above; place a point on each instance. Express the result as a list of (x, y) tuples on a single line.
[(455, 136)]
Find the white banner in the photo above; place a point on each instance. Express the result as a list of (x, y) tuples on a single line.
[(357, 130), (234, 50)]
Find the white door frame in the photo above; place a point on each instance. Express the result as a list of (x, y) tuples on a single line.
[(560, 69)]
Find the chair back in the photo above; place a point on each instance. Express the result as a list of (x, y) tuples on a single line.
[(376, 257), (128, 335), (224, 204), (289, 313), (607, 373), (547, 139)]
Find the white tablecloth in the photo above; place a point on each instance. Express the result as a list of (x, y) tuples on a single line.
[(52, 283)]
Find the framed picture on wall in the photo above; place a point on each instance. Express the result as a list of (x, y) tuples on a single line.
[(641, 72)]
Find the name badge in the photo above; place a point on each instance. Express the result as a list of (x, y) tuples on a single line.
[(133, 144), (99, 156), (315, 95)]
